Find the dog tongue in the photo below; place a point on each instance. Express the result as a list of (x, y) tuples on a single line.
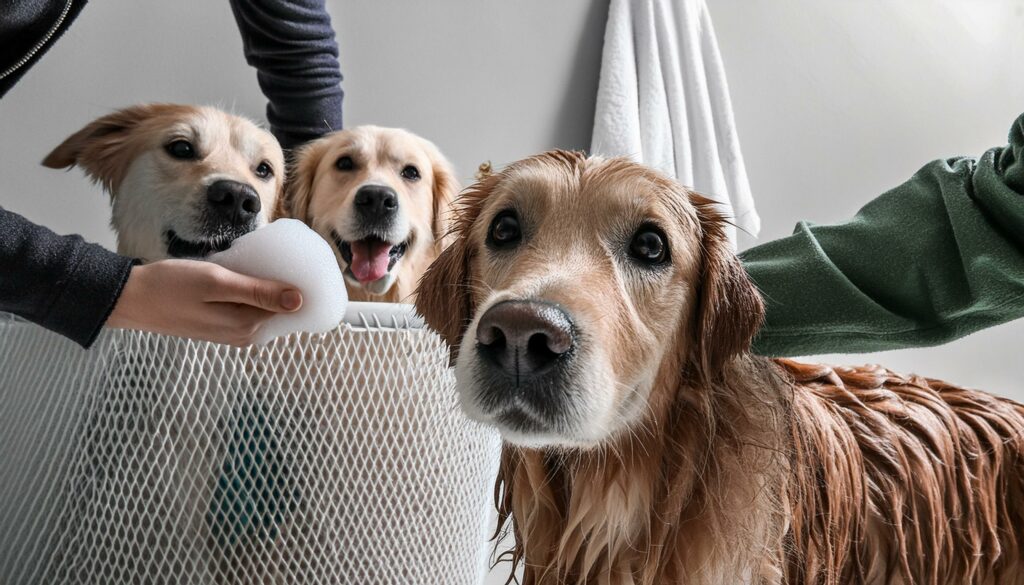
[(370, 259)]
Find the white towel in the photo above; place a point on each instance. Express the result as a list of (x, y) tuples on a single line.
[(663, 101)]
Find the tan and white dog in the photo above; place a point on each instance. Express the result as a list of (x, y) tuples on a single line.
[(381, 196), (184, 181)]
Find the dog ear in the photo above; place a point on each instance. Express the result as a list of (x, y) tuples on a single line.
[(446, 189), (103, 148), (298, 190), (730, 309), (444, 296)]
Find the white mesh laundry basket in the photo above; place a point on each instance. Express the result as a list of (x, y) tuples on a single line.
[(335, 458)]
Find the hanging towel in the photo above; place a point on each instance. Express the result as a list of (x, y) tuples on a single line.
[(663, 101)]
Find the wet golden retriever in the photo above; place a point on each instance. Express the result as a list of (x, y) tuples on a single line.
[(598, 318), (381, 196), (184, 181)]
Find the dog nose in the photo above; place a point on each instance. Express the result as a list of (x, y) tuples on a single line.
[(234, 201), (524, 338), (376, 201)]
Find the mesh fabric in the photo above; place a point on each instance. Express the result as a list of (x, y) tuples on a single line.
[(333, 458)]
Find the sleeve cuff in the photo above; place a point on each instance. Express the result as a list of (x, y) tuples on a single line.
[(88, 294)]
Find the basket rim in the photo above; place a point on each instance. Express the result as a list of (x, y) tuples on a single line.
[(358, 314), (383, 315)]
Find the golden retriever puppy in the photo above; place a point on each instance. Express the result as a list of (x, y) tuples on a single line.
[(599, 320), (381, 197), (184, 181)]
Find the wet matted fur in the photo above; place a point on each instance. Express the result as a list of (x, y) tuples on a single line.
[(733, 468)]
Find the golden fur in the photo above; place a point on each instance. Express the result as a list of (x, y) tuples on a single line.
[(322, 196), (152, 192), (733, 468)]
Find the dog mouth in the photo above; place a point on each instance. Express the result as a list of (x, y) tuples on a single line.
[(369, 259), (178, 247)]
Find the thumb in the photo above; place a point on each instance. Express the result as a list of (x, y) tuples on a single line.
[(269, 295)]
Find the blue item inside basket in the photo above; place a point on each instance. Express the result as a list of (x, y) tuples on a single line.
[(254, 495)]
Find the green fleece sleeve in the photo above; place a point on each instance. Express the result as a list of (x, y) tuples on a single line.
[(937, 258)]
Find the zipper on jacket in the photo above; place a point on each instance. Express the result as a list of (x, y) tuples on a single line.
[(42, 43)]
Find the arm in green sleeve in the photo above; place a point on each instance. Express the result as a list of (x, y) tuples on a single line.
[(937, 258)]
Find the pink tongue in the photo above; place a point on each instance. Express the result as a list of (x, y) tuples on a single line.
[(370, 259)]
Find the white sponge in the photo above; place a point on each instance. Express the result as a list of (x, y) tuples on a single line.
[(288, 251)]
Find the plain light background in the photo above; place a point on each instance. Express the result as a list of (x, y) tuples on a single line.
[(835, 101)]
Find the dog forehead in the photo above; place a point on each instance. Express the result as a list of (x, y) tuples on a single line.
[(398, 147), (212, 129), (207, 127), (254, 142), (626, 184), (382, 145), (595, 192)]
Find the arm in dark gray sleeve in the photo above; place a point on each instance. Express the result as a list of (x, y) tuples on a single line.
[(291, 44), (59, 282)]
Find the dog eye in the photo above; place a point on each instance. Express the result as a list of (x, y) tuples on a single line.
[(504, 230), (411, 173), (181, 149), (345, 163), (648, 245), (264, 171)]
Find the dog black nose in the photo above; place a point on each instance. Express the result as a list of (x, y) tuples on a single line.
[(524, 338), (234, 201), (376, 201)]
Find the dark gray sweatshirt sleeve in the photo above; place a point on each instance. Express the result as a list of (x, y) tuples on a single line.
[(60, 282), (291, 44)]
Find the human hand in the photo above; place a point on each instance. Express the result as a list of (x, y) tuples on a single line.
[(201, 300)]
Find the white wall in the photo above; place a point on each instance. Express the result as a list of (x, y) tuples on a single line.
[(836, 101), (486, 80)]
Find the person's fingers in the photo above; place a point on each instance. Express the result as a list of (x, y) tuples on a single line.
[(291, 299), (236, 324), (269, 295), (232, 315)]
